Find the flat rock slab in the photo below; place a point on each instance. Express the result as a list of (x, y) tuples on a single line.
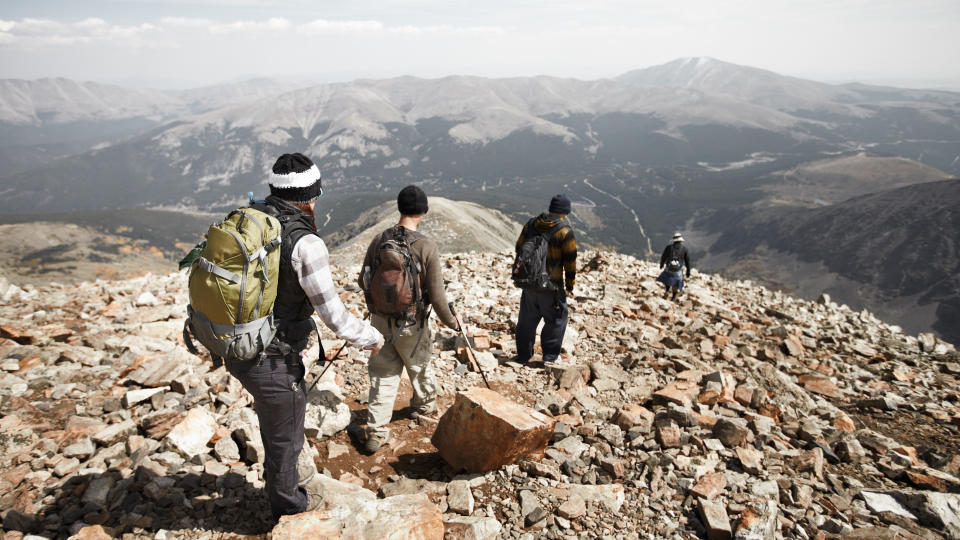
[(408, 486), (91, 532), (881, 502), (820, 385), (159, 372), (573, 508), (714, 517), (132, 397), (940, 511), (611, 496), (353, 512), (193, 433), (484, 431), (709, 486), (569, 377), (471, 528), (314, 524), (115, 433)]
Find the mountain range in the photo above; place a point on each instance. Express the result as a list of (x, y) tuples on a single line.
[(680, 146), (893, 252)]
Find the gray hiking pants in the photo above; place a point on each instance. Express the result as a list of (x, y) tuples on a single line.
[(386, 367), (279, 399)]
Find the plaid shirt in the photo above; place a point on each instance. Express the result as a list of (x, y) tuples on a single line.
[(311, 262), (561, 248)]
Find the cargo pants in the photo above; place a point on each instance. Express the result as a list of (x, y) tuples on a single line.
[(279, 399), (387, 366)]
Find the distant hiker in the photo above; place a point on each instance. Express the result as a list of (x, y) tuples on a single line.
[(276, 379), (402, 280), (674, 258), (545, 268)]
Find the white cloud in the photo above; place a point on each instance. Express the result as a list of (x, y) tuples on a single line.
[(185, 22), (323, 26), (40, 32), (33, 33), (270, 25), (832, 39), (447, 30)]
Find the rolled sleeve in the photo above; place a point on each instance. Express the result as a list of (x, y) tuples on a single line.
[(311, 263)]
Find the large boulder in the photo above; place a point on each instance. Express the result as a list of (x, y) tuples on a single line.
[(483, 431)]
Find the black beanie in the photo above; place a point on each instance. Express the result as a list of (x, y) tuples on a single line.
[(295, 178), (412, 201), (559, 204)]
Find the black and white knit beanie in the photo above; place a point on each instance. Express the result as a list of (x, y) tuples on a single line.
[(295, 178)]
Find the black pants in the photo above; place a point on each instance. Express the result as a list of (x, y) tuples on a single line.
[(552, 308), (279, 398)]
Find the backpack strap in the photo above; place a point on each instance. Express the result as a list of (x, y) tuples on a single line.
[(554, 230), (414, 267), (550, 234), (218, 271)]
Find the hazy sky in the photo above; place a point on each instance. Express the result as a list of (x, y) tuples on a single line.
[(176, 43)]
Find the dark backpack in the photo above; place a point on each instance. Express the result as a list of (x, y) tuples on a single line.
[(675, 262), (530, 264), (392, 284)]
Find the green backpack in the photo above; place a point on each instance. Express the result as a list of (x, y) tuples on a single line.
[(233, 286)]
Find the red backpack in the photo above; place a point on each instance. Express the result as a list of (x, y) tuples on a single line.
[(392, 285)]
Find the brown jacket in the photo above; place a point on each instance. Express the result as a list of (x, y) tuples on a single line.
[(431, 277)]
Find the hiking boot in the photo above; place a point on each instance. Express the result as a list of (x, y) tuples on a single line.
[(314, 490), (375, 441), (425, 411)]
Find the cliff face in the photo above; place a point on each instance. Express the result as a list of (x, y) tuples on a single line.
[(735, 409)]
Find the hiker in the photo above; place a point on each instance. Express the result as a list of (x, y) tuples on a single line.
[(674, 258), (402, 280), (546, 298), (276, 380)]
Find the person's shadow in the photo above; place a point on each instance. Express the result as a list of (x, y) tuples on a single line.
[(145, 502), (412, 465)]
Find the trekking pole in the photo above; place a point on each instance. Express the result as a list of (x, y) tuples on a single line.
[(473, 353), (330, 363)]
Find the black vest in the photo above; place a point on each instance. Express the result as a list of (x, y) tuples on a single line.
[(292, 309)]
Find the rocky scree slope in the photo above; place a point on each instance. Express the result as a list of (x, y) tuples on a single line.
[(734, 412)]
